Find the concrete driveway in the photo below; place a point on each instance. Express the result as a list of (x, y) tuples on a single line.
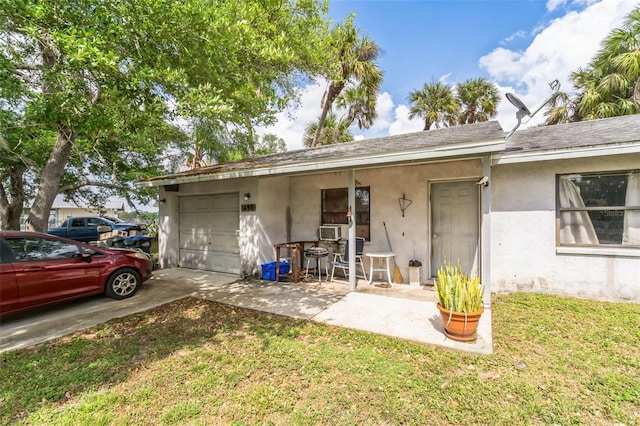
[(400, 312)]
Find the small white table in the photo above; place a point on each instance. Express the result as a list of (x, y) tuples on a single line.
[(376, 257)]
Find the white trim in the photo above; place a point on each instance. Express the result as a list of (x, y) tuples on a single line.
[(600, 251), (310, 166), (565, 153)]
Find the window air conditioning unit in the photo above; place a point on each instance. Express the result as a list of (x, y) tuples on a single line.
[(330, 232)]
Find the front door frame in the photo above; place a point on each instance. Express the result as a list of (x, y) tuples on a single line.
[(484, 226), (478, 257)]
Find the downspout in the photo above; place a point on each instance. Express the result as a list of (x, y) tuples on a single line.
[(351, 220), (485, 231)]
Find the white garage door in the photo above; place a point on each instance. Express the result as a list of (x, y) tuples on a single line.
[(209, 232)]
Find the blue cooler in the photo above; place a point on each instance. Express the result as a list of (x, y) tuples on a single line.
[(269, 270)]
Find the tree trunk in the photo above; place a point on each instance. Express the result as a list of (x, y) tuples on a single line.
[(427, 123), (332, 93), (38, 219), (11, 207)]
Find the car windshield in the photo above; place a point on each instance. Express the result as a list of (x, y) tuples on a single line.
[(34, 248)]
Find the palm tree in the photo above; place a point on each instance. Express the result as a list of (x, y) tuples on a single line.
[(479, 100), (436, 103), (610, 85), (561, 109), (354, 57), (360, 107), (333, 131)]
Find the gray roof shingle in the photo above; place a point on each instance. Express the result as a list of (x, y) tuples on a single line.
[(624, 129)]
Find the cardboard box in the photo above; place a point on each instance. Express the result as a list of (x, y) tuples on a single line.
[(107, 235)]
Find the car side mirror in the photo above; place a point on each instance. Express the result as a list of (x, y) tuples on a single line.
[(87, 255)]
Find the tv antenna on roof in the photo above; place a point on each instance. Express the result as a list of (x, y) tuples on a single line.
[(523, 111)]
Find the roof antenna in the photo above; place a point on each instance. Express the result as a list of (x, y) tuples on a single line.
[(523, 111)]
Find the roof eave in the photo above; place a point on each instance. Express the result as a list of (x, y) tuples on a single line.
[(514, 157), (437, 152)]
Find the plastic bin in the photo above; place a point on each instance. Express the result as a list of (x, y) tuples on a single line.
[(139, 241), (117, 242), (269, 270)]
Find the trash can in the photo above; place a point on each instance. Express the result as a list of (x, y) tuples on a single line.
[(117, 242), (269, 270), (139, 242)]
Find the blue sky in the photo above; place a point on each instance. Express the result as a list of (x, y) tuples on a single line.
[(520, 44)]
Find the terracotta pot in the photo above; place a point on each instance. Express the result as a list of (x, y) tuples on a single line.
[(460, 326)]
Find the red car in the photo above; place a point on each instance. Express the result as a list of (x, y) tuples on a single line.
[(39, 269)]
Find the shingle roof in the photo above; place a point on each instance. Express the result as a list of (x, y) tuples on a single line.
[(451, 136), (622, 129), (625, 129)]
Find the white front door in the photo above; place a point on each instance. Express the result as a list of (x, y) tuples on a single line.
[(454, 225), (209, 227)]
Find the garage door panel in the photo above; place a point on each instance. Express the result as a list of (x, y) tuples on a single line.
[(210, 261), (209, 203), (223, 242), (213, 222), (208, 232)]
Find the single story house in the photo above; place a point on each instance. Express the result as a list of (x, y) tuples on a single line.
[(552, 209)]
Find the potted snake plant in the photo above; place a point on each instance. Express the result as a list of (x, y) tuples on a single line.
[(460, 299)]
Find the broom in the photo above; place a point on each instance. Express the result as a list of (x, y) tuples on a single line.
[(397, 275)]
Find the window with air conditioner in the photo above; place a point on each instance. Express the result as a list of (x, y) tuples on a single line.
[(335, 206)]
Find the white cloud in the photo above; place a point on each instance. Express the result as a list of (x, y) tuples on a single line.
[(402, 124), (554, 4), (292, 122), (566, 44), (558, 48), (384, 107), (516, 35)]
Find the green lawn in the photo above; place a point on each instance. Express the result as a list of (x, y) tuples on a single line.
[(557, 361)]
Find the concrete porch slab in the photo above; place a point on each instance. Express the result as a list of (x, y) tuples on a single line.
[(402, 311)]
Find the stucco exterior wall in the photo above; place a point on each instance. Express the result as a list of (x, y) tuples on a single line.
[(268, 225), (289, 209), (409, 235), (524, 256)]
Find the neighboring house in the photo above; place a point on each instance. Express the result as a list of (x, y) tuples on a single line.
[(61, 210), (550, 209)]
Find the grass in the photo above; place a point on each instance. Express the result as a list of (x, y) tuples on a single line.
[(557, 361)]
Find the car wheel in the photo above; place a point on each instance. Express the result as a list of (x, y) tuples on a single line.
[(123, 283)]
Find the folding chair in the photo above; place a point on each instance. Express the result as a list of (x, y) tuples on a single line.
[(341, 260)]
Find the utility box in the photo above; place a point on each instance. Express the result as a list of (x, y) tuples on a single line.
[(414, 275)]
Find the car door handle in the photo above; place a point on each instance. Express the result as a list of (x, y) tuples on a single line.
[(34, 269)]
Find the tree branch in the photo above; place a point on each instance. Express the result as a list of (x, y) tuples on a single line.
[(28, 67), (88, 182)]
